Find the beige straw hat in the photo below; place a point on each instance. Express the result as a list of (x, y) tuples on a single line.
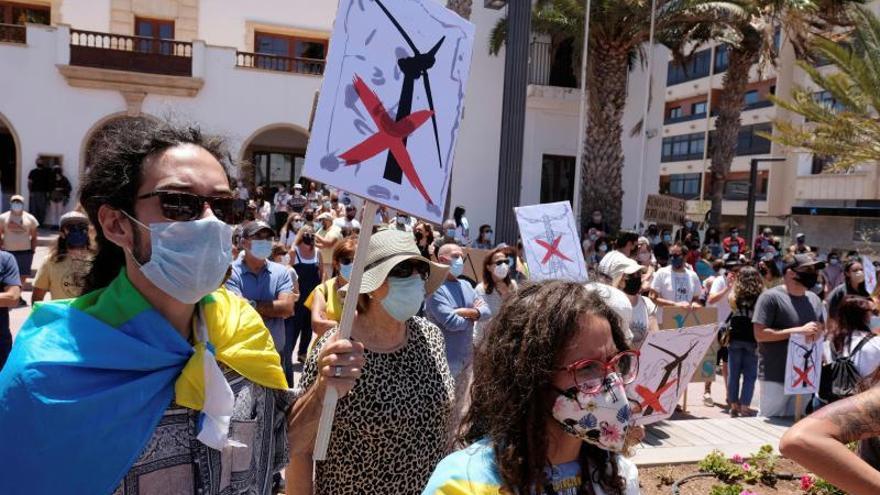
[(387, 249)]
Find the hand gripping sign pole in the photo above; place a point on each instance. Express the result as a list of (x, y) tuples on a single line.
[(415, 56)]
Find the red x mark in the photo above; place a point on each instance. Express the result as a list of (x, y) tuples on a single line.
[(803, 377), (389, 137), (652, 399), (552, 250)]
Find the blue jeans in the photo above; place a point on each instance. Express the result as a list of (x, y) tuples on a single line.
[(743, 361)]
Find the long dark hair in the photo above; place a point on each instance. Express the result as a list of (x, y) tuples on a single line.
[(457, 213), (852, 315), (116, 174), (512, 397), (861, 290), (59, 250), (488, 280)]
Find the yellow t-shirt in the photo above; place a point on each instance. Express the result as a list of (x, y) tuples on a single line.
[(63, 279), (333, 304)]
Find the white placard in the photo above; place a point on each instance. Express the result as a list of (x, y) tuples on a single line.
[(551, 242), (803, 365), (669, 358), (391, 103), (870, 274)]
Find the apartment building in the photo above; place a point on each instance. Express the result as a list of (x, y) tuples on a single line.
[(795, 193), (251, 71)]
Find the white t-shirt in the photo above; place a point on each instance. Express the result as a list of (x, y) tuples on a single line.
[(343, 222), (643, 309), (720, 285), (676, 286), (867, 359)]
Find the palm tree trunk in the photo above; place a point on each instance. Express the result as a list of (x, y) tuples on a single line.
[(461, 7), (601, 186), (724, 142)]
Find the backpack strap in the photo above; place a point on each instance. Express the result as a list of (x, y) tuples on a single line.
[(861, 344)]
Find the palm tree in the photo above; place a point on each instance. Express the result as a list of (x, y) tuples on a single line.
[(619, 30), (461, 7), (751, 41), (846, 127)]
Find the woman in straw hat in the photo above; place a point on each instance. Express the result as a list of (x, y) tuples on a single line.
[(391, 429)]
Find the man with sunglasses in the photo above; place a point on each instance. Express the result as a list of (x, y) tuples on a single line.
[(157, 379)]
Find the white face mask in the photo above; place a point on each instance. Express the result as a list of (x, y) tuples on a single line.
[(189, 260), (501, 271)]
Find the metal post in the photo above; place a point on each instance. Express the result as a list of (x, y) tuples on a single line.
[(513, 118), (644, 146), (750, 209), (582, 125)]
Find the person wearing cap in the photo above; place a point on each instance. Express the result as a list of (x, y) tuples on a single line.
[(763, 244), (781, 312), (63, 272), (266, 285), (18, 235), (391, 430), (627, 275), (326, 239), (800, 245), (624, 245), (733, 243), (676, 284), (298, 200)]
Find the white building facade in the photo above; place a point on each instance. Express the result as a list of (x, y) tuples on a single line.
[(251, 71)]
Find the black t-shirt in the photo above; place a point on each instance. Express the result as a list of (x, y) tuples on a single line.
[(741, 328), (41, 179)]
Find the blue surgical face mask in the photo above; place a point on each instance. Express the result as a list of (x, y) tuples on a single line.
[(450, 233), (405, 297), (77, 238), (676, 261), (261, 249), (456, 268), (189, 260), (667, 238), (345, 271), (17, 207)]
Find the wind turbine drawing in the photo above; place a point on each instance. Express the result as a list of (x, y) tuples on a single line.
[(413, 68), (803, 378), (673, 365)]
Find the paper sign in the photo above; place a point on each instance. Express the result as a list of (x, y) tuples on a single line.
[(803, 366), (668, 361), (551, 242), (665, 210), (673, 317), (391, 103), (870, 274), (473, 263)]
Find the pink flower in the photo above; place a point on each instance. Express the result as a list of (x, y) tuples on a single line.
[(746, 466), (737, 459), (806, 482), (747, 492)]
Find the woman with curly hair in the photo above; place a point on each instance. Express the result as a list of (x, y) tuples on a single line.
[(743, 349), (549, 413)]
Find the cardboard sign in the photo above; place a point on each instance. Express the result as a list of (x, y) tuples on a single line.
[(391, 103), (667, 363), (870, 274), (473, 263), (803, 366), (665, 210), (673, 318), (551, 242)]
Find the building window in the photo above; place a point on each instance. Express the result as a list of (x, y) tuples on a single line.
[(685, 147), (698, 108), (820, 163), (674, 113), (290, 46), (867, 230), (722, 58), (828, 101), (751, 98), (684, 186), (154, 28), (748, 142), (695, 67), (736, 188), (17, 13), (557, 178)]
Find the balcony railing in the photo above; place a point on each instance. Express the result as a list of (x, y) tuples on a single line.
[(13, 33), (130, 53), (684, 118), (298, 65)]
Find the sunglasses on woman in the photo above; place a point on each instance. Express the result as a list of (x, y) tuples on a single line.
[(502, 262), (590, 374), (407, 268), (184, 207)]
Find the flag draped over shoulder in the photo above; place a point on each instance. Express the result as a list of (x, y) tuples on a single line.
[(88, 380)]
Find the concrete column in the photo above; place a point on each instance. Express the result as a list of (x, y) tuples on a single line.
[(513, 117)]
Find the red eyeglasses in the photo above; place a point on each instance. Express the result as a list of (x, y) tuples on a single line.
[(589, 374)]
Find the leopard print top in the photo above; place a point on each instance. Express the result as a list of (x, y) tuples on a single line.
[(390, 431)]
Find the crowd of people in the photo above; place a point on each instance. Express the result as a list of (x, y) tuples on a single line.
[(196, 299)]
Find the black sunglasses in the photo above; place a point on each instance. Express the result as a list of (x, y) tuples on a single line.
[(184, 207), (406, 269), (502, 262)]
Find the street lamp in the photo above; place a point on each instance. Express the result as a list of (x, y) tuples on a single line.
[(750, 209), (494, 4)]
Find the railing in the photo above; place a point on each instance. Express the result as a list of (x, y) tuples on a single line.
[(684, 118), (130, 53), (298, 65), (13, 33), (758, 104)]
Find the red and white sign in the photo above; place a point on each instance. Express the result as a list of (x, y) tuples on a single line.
[(551, 242)]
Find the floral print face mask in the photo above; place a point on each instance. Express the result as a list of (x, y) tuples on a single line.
[(601, 419)]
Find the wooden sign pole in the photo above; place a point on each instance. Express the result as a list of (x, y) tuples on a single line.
[(798, 407), (325, 426)]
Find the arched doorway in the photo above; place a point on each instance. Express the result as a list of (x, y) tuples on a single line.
[(97, 134), (10, 162), (277, 153)]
